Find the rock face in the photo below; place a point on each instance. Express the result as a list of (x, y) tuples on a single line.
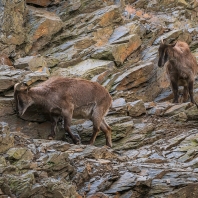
[(114, 43), (41, 26), (12, 29), (86, 69), (7, 140), (43, 3)]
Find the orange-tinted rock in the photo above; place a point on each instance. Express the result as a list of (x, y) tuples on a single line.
[(102, 35), (4, 60), (12, 22), (123, 50), (135, 76), (34, 63), (136, 108), (177, 109), (43, 3), (110, 17)]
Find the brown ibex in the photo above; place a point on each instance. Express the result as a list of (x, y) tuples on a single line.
[(181, 68), (67, 98)]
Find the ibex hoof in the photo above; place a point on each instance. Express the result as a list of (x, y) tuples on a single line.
[(77, 139)]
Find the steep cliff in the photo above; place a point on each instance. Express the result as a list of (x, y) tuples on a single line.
[(113, 42)]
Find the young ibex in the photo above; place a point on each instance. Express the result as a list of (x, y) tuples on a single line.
[(67, 98), (181, 68)]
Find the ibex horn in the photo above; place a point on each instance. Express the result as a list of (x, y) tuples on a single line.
[(162, 40), (17, 86)]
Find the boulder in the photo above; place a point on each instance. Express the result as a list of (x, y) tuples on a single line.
[(41, 26), (86, 69), (21, 184), (177, 109), (192, 113), (59, 188), (119, 50), (102, 35), (12, 29), (120, 127), (32, 63), (6, 107), (136, 108), (36, 76), (169, 36), (9, 76), (43, 3), (134, 76), (119, 107), (180, 117), (160, 108)]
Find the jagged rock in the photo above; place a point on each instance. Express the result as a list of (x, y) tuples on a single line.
[(160, 108), (136, 108), (126, 181), (169, 36), (120, 49), (3, 162), (12, 30), (102, 35), (135, 137), (180, 117), (190, 190), (129, 28), (58, 188), (55, 161), (134, 76), (6, 139), (119, 102), (75, 50), (43, 3), (177, 108), (86, 69), (152, 155), (119, 107), (32, 63), (149, 105), (98, 195), (21, 184), (41, 25), (101, 78), (50, 145), (9, 76), (192, 113), (51, 61)]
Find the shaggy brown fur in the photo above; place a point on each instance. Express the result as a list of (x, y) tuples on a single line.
[(68, 97), (181, 68)]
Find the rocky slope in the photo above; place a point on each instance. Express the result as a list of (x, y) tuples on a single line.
[(115, 43)]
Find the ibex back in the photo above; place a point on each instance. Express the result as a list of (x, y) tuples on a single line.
[(68, 97)]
